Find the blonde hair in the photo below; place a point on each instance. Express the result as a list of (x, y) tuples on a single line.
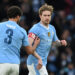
[(44, 8)]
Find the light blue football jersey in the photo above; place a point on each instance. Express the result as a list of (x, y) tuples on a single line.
[(12, 37), (47, 36)]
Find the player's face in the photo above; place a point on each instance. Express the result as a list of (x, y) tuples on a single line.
[(45, 17)]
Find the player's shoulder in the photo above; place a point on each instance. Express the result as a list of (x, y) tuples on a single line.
[(35, 25), (22, 30), (35, 29), (3, 22), (51, 26)]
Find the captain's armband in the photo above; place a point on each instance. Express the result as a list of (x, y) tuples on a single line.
[(31, 35)]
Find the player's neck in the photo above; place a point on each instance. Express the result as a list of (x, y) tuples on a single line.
[(46, 25), (11, 19)]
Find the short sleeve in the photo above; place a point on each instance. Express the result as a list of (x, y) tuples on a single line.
[(25, 41), (34, 29)]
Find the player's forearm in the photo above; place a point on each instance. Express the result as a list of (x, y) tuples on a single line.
[(34, 47), (36, 55), (57, 43), (30, 49)]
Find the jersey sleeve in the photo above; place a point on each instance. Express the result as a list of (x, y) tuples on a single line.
[(55, 38), (25, 41), (34, 31), (31, 35)]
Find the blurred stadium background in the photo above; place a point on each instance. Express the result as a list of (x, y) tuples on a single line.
[(61, 60)]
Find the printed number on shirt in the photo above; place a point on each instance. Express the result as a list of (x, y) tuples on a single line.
[(8, 39)]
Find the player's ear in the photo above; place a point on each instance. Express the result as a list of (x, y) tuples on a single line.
[(18, 17), (40, 16)]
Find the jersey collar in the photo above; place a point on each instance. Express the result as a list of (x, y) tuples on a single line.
[(44, 26)]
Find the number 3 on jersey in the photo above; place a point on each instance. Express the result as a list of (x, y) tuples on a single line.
[(9, 33)]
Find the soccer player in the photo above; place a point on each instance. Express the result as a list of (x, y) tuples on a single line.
[(47, 34), (12, 37)]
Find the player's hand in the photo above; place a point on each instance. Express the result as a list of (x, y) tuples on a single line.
[(39, 64), (37, 41), (63, 42)]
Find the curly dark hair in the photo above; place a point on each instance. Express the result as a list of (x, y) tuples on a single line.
[(14, 11)]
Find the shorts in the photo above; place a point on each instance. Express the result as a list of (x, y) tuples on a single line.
[(33, 70), (9, 69)]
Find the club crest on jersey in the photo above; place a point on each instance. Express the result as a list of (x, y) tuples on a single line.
[(49, 34)]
